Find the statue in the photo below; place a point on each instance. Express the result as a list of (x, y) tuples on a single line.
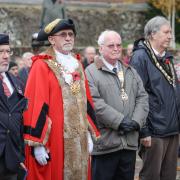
[(52, 9)]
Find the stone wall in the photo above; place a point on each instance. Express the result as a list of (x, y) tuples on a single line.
[(20, 22), (23, 20), (90, 22)]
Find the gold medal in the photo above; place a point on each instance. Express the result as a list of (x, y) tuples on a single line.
[(124, 95), (75, 87)]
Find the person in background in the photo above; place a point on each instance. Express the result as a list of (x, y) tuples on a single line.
[(121, 106), (24, 72), (19, 61), (12, 105), (13, 68), (127, 58), (56, 123), (89, 54), (159, 136)]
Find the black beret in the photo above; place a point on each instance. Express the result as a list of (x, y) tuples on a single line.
[(12, 64), (4, 39), (54, 27)]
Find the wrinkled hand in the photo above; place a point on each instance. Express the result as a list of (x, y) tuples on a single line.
[(146, 141), (41, 155), (128, 125)]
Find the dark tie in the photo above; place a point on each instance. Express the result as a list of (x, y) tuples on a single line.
[(160, 59), (115, 70), (6, 89)]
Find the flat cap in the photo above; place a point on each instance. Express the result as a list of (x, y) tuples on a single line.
[(4, 39), (54, 27)]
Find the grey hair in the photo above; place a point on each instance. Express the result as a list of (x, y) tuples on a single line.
[(27, 55), (154, 25), (102, 36)]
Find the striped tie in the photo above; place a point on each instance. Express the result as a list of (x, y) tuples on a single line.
[(6, 89)]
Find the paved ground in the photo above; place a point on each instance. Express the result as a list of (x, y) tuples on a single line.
[(139, 164)]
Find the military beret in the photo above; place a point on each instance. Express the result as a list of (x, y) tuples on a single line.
[(12, 64), (54, 27), (4, 39)]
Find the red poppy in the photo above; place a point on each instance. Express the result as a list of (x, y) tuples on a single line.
[(78, 57), (167, 61), (76, 76)]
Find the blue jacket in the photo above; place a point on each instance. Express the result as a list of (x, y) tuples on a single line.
[(164, 99)]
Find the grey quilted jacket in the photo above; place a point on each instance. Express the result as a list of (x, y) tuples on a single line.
[(110, 109)]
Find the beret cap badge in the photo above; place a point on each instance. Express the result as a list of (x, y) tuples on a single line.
[(51, 26)]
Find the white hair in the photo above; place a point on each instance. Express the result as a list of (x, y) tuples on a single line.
[(102, 36), (27, 55)]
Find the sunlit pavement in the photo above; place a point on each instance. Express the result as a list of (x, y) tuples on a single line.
[(139, 164)]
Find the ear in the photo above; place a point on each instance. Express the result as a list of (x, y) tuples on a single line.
[(51, 40), (100, 49), (154, 35)]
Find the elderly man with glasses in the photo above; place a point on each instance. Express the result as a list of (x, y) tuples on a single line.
[(12, 104), (121, 106), (56, 123)]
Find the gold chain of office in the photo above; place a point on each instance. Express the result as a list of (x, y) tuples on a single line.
[(170, 79), (75, 85)]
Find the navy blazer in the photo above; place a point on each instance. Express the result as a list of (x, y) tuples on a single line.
[(11, 125)]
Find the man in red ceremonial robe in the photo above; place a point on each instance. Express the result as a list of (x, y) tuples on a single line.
[(59, 115)]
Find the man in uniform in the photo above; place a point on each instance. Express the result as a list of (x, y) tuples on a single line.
[(12, 104)]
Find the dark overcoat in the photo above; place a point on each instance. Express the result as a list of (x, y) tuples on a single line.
[(11, 125)]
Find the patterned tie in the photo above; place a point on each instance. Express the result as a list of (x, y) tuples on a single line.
[(6, 89)]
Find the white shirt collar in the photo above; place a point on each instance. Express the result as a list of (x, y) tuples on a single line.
[(110, 66), (157, 53), (6, 80)]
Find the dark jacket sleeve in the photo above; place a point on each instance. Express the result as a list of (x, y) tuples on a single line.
[(139, 62)]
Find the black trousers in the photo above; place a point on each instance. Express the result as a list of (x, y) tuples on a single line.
[(118, 165), (5, 174)]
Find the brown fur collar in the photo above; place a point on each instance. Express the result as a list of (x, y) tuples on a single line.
[(99, 63)]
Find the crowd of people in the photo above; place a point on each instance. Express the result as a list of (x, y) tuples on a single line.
[(62, 118)]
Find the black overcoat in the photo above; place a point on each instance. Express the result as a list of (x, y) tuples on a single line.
[(11, 125)]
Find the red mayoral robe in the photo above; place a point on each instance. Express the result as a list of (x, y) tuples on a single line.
[(46, 120)]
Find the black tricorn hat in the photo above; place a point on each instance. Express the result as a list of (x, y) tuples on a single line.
[(54, 27), (4, 39)]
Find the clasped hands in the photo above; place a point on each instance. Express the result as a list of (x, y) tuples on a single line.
[(41, 155), (127, 125)]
